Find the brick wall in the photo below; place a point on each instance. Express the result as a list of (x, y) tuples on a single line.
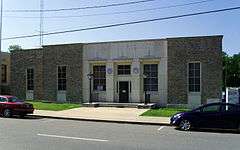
[(67, 55), (20, 61), (45, 62), (181, 51)]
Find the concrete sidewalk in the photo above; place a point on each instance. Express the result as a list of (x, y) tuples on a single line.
[(105, 114)]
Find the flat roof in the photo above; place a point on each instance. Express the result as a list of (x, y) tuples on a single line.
[(139, 40), (122, 41)]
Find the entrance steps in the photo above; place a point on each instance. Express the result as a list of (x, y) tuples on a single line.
[(120, 105)]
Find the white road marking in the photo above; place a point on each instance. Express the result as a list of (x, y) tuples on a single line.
[(75, 138), (160, 128)]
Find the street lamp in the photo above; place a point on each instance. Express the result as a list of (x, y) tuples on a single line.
[(90, 77), (145, 76)]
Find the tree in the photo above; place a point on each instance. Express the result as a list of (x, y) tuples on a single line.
[(231, 70), (14, 48)]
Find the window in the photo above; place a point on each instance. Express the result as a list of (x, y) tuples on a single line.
[(30, 79), (14, 99), (4, 73), (2, 99), (194, 77), (124, 69), (62, 74), (99, 78), (229, 108), (151, 81), (211, 108)]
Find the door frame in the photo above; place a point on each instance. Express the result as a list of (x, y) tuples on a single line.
[(119, 92)]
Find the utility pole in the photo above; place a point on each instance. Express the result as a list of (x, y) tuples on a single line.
[(41, 22), (1, 15)]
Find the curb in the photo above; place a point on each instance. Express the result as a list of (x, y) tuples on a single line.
[(107, 121)]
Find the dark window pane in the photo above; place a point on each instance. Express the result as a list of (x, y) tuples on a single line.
[(194, 77), (197, 88), (62, 81), (197, 65), (191, 66), (124, 69), (30, 79), (154, 67), (191, 88), (99, 80), (153, 74), (191, 73), (146, 67), (197, 73), (191, 81), (151, 82), (154, 87), (128, 71), (197, 80), (154, 81)]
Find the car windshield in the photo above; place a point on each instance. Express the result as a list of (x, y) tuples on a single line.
[(197, 109), (14, 99)]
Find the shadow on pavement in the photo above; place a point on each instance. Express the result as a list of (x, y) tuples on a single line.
[(223, 131), (26, 117)]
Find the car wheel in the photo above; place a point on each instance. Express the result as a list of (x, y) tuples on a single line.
[(7, 113), (185, 125)]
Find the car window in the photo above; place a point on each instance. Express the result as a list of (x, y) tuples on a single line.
[(229, 108), (197, 110), (2, 99), (211, 108), (14, 99)]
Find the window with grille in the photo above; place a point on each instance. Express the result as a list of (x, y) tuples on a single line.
[(30, 79), (194, 77), (151, 80), (99, 78), (62, 81), (124, 69), (4, 73)]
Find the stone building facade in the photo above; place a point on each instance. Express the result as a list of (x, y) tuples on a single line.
[(5, 73), (184, 70), (44, 64)]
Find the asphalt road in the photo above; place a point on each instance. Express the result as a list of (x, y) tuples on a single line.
[(53, 134)]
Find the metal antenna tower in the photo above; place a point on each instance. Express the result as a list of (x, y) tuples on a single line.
[(41, 22)]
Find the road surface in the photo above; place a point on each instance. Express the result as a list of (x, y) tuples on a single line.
[(54, 134)]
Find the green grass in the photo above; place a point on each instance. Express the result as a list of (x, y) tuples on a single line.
[(53, 106), (163, 112)]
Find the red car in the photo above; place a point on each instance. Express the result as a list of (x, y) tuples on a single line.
[(11, 105)]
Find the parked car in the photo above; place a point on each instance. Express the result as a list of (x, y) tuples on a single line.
[(214, 115), (11, 105)]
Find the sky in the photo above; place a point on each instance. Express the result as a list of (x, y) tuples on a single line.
[(224, 23)]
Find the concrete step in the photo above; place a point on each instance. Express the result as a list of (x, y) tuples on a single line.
[(120, 105)]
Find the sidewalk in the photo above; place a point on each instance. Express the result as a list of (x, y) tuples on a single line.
[(105, 114)]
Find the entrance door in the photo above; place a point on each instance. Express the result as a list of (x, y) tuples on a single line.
[(123, 92)]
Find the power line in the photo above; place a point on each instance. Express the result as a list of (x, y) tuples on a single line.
[(81, 8), (126, 23), (120, 12)]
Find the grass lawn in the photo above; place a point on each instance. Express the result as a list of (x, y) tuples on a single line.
[(163, 112), (53, 106)]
